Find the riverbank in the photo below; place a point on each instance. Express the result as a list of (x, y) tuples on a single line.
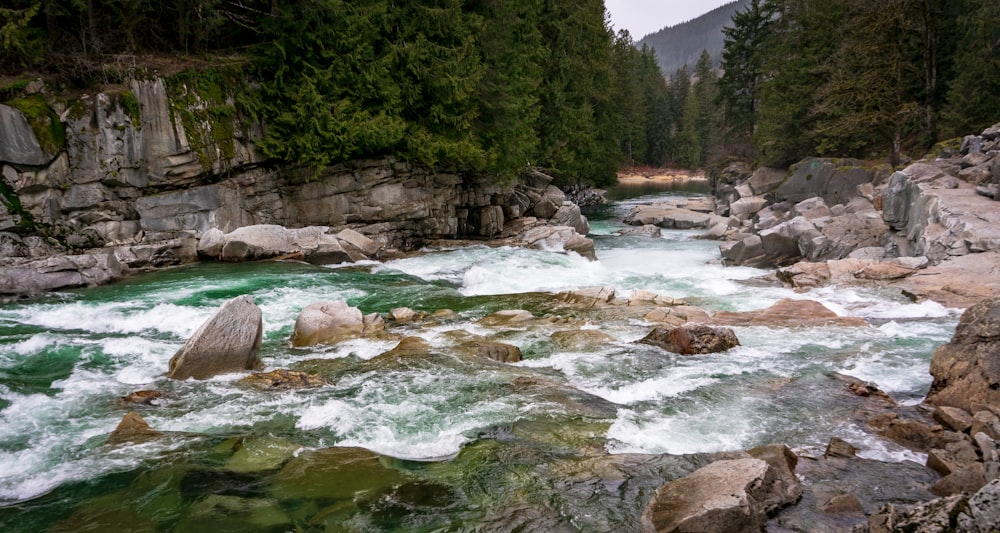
[(639, 175)]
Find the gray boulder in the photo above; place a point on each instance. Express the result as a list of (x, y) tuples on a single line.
[(725, 496), (229, 341)]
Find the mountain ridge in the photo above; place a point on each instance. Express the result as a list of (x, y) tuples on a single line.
[(681, 44)]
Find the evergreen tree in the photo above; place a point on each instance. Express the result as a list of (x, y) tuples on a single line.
[(511, 48), (575, 100), (805, 36), (657, 105), (677, 93), (629, 99), (865, 97), (706, 93), (973, 102), (743, 63), (687, 148)]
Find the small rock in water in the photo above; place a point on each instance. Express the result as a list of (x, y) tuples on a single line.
[(284, 379), (142, 397), (692, 339), (496, 351), (838, 447), (132, 428)]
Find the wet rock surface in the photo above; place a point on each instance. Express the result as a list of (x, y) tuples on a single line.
[(229, 341)]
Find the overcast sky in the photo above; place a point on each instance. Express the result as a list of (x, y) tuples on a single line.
[(642, 17)]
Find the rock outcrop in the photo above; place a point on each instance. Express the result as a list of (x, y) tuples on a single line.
[(967, 370), (147, 173), (229, 341)]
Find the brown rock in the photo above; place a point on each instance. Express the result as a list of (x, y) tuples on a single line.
[(327, 322), (403, 314), (692, 339), (132, 428), (663, 315), (839, 448), (968, 480), (408, 347), (507, 317), (284, 379), (843, 504), (953, 418), (986, 422), (495, 351), (915, 434), (967, 370), (787, 313), (229, 341), (142, 397), (955, 457)]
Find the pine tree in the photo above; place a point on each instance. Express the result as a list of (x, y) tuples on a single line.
[(973, 102), (688, 152), (805, 36), (743, 63), (657, 105), (707, 94), (511, 48)]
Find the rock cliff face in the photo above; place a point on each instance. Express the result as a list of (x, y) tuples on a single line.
[(142, 175)]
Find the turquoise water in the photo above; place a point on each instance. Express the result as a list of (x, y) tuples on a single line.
[(453, 443)]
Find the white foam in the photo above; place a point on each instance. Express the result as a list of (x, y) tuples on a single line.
[(654, 432)]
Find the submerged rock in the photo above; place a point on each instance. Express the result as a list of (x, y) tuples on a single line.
[(229, 341), (967, 370), (217, 512), (333, 473), (692, 339)]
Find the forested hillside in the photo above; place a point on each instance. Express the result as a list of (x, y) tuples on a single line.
[(483, 86), (683, 43), (857, 78)]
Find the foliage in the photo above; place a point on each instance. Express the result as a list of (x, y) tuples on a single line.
[(205, 103), (855, 78), (20, 42), (972, 96)]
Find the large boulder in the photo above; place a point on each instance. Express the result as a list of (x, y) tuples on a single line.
[(725, 496), (229, 341), (329, 322), (559, 239), (834, 180), (967, 370), (60, 272), (691, 339)]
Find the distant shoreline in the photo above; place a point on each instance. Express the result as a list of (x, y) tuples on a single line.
[(649, 175)]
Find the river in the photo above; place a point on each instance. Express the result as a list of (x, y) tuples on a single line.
[(461, 444)]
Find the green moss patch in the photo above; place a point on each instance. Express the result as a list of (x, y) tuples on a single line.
[(205, 103), (44, 122)]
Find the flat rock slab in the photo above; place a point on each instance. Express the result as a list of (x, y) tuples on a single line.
[(788, 313)]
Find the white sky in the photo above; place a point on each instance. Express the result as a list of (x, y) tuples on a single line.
[(642, 17)]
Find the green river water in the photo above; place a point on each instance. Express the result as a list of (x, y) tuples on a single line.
[(563, 441)]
